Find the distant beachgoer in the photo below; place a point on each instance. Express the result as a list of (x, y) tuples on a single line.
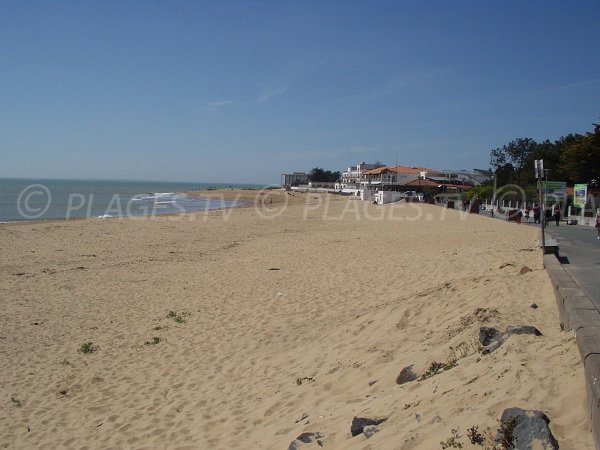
[(598, 223), (536, 214), (557, 216), (518, 217), (527, 214)]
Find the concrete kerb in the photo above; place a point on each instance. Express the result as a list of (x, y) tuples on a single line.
[(592, 369), (578, 313)]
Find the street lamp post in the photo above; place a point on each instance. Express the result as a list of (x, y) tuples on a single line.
[(539, 174), (495, 177)]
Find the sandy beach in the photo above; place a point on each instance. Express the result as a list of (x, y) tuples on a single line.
[(244, 328)]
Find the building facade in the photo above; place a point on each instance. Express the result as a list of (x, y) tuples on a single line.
[(294, 179)]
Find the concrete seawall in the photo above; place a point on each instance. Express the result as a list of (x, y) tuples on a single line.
[(578, 313)]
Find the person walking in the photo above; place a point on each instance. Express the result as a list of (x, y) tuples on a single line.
[(548, 214), (598, 223), (557, 216), (536, 214)]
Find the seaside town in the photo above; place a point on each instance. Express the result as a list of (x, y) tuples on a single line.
[(381, 184)]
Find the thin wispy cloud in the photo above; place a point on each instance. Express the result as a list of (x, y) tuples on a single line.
[(398, 84), (271, 94), (219, 105), (565, 87)]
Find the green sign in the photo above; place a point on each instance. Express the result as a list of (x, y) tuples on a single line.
[(555, 189), (580, 195)]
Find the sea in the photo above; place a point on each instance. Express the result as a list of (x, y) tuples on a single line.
[(41, 199)]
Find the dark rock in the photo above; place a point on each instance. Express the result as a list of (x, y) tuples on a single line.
[(406, 375), (523, 329), (526, 430), (359, 423), (306, 438), (371, 383), (524, 270), (534, 306), (491, 339), (487, 335)]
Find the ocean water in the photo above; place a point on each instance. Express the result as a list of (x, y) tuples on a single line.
[(39, 199)]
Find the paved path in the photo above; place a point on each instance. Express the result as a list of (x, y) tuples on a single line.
[(579, 250)]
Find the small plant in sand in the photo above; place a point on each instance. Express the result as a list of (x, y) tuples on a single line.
[(299, 381), (503, 439), (16, 402), (155, 340), (88, 347), (453, 441), (178, 317), (438, 367), (475, 437)]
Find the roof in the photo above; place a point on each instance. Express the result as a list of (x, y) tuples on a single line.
[(398, 169), (429, 183)]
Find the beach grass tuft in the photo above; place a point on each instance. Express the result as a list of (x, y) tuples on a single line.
[(438, 367), (155, 340), (87, 347), (178, 317)]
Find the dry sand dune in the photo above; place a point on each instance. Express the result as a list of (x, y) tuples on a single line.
[(293, 316)]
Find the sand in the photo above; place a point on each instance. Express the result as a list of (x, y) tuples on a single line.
[(244, 328)]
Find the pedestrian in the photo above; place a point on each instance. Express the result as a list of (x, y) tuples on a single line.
[(557, 216), (519, 215), (598, 223), (527, 210), (536, 214)]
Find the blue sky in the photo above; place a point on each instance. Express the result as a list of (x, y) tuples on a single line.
[(243, 91)]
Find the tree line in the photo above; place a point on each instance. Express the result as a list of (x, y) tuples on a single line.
[(318, 174), (574, 158)]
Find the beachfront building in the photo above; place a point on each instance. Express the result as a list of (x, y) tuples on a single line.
[(439, 189), (393, 178), (294, 179), (352, 176)]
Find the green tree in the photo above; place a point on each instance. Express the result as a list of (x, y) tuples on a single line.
[(514, 158), (581, 158), (317, 174)]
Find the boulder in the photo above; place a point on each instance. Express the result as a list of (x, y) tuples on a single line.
[(406, 375), (522, 329), (306, 438), (487, 335), (359, 423), (491, 338), (526, 430)]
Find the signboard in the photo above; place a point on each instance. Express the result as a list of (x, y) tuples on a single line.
[(580, 195), (555, 189)]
